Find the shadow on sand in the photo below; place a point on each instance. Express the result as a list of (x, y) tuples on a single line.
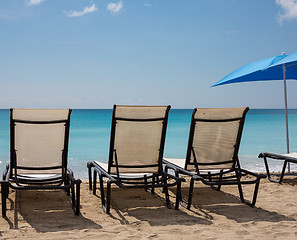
[(151, 208), (45, 211), (291, 181), (230, 206), (144, 206)]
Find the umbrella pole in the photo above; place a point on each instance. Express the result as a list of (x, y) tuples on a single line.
[(286, 111)]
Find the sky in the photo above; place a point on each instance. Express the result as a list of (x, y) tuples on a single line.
[(96, 53)]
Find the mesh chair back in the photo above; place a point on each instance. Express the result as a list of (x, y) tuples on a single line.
[(137, 139), (214, 138), (39, 141)]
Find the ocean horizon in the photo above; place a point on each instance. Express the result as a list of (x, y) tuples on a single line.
[(264, 131)]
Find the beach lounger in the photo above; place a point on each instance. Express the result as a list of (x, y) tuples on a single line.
[(38, 154), (135, 154), (287, 158), (212, 153)]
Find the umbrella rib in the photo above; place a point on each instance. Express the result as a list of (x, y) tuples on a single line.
[(294, 67)]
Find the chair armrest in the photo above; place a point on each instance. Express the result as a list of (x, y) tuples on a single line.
[(254, 174), (174, 177), (72, 178), (98, 168), (179, 169)]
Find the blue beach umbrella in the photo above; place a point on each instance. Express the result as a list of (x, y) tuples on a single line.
[(281, 67)]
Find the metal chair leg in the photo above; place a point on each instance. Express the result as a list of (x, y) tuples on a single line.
[(251, 204), (153, 184), (241, 193), (77, 202), (73, 198), (239, 187), (267, 168), (67, 184), (180, 192), (268, 172), (108, 193), (220, 179), (103, 203), (90, 176), (255, 194), (178, 195), (190, 193), (165, 190), (283, 171), (94, 181), (145, 182), (4, 195)]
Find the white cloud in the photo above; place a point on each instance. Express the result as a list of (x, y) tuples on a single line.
[(290, 10), (34, 2), (86, 10), (115, 7), (147, 5)]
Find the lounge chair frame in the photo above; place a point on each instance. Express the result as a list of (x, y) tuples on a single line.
[(66, 181), (275, 156), (146, 181), (215, 180)]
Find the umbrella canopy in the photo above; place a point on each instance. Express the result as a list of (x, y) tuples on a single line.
[(267, 69), (281, 67), (291, 64)]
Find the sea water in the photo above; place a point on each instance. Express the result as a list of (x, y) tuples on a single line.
[(264, 131)]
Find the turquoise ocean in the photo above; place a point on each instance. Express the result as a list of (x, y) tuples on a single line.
[(264, 131)]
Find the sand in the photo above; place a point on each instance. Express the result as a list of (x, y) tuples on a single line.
[(137, 214)]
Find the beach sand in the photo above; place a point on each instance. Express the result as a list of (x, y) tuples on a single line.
[(136, 214)]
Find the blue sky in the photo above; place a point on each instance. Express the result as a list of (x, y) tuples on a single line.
[(96, 53)]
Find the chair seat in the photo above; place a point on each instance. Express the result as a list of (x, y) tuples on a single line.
[(292, 157), (38, 177), (126, 175), (181, 163)]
